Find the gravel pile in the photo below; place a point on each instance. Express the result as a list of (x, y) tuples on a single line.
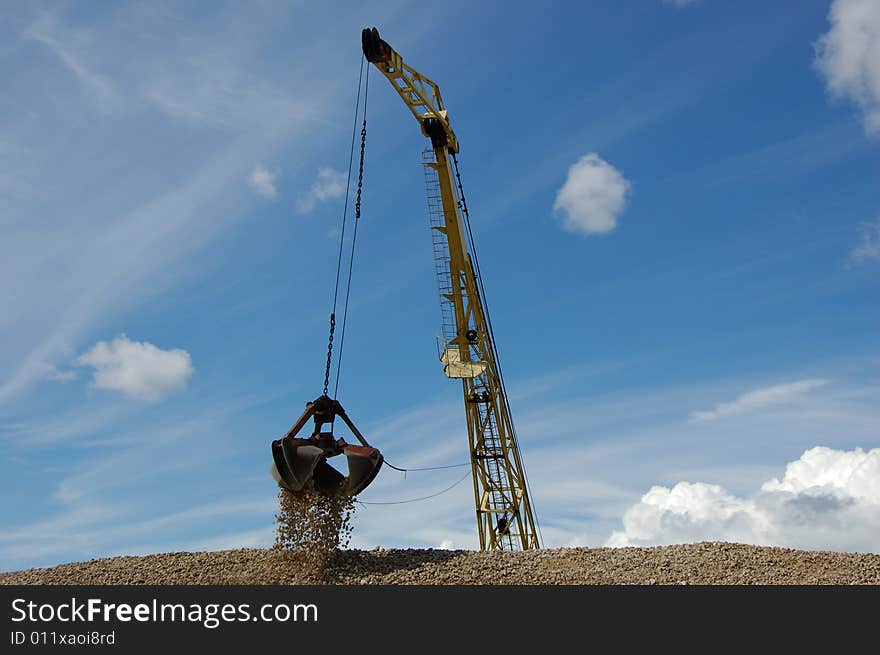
[(701, 563)]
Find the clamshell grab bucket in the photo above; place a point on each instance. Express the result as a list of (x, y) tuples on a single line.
[(298, 463)]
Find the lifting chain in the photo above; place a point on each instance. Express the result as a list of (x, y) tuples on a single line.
[(329, 352), (357, 203)]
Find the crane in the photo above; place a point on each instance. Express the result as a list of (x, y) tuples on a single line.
[(504, 512)]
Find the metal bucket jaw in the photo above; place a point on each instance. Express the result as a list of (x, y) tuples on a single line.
[(295, 460), (298, 463), (364, 463)]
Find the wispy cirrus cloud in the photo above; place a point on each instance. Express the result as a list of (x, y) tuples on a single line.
[(758, 399), (120, 240), (122, 498), (680, 3), (48, 33), (784, 159)]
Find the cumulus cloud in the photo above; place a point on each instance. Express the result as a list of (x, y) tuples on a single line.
[(848, 56), (330, 184), (869, 248), (680, 3), (592, 197), (137, 369), (827, 500), (263, 182), (758, 399)]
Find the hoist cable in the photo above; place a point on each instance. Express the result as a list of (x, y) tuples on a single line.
[(342, 231), (485, 301), (357, 217)]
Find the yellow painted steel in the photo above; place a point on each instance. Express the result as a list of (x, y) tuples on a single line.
[(505, 517)]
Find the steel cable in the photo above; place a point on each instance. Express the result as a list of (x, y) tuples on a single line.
[(342, 231)]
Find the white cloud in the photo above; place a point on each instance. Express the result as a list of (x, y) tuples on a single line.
[(592, 197), (137, 368), (680, 3), (828, 499), (263, 182), (330, 184), (849, 56), (869, 248), (759, 398)]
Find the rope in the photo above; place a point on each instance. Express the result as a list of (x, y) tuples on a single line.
[(342, 232), (424, 468), (415, 500), (357, 217)]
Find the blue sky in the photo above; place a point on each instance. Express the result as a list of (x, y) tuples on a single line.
[(678, 220)]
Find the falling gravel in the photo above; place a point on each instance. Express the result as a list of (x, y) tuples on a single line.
[(701, 563), (312, 529)]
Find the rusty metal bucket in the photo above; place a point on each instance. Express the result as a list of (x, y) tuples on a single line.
[(297, 462)]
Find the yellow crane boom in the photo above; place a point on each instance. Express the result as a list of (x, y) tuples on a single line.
[(504, 512)]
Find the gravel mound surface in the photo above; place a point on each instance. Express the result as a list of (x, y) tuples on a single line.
[(701, 563)]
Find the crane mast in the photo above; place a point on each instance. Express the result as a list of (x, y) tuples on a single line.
[(504, 513)]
